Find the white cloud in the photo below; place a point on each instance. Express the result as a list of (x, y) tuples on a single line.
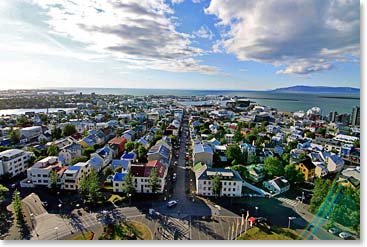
[(138, 32), (303, 36), (204, 32), (177, 1)]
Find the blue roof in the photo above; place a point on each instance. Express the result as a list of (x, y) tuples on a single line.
[(201, 148), (73, 168), (128, 156), (119, 177), (96, 162), (120, 163)]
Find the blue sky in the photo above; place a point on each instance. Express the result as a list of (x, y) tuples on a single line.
[(194, 44)]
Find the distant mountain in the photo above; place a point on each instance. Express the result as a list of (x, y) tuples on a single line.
[(316, 89)]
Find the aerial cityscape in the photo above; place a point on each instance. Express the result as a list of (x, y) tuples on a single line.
[(180, 120)]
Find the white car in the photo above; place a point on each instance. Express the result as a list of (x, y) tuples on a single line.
[(171, 204), (333, 230), (344, 235)]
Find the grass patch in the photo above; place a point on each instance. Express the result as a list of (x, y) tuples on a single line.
[(116, 198), (263, 233), (84, 236), (132, 230)]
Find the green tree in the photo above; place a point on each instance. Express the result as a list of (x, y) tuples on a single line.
[(320, 193), (3, 191), (142, 153), (253, 159), (273, 167), (238, 136), (154, 180), (292, 174), (250, 138), (79, 159), (68, 130), (216, 184), (346, 210), (17, 206), (129, 146), (14, 136), (53, 180), (242, 170), (107, 171), (89, 187), (43, 141), (128, 186), (85, 133), (56, 133), (321, 131), (88, 151), (52, 150), (234, 153)]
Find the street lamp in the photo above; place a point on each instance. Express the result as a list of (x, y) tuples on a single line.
[(290, 219), (256, 208), (129, 195), (57, 236), (60, 205)]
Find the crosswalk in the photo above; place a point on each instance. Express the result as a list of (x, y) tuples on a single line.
[(288, 201), (174, 228)]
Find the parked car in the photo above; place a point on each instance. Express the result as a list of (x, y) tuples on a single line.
[(171, 204), (45, 204), (345, 235), (333, 230)]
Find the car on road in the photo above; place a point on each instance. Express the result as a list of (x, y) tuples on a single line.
[(345, 235), (13, 186), (44, 203), (333, 230), (171, 204)]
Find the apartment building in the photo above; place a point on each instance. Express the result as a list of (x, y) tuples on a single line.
[(14, 161)]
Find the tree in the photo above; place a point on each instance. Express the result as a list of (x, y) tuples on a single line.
[(89, 187), (3, 191), (56, 133), (17, 206), (273, 167), (79, 159), (154, 180), (321, 131), (216, 184), (14, 136), (85, 133), (292, 174), (88, 151), (142, 152), (320, 193), (238, 136), (43, 141), (242, 170), (68, 130), (53, 180), (234, 153), (346, 210), (253, 159), (52, 150), (129, 146), (250, 138), (128, 186), (310, 134), (107, 171)]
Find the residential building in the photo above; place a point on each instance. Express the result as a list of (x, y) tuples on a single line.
[(231, 181), (14, 161), (141, 175), (39, 173), (118, 181), (70, 152), (74, 174), (119, 142), (334, 163), (202, 153), (256, 172), (307, 168), (277, 185), (159, 152), (30, 133)]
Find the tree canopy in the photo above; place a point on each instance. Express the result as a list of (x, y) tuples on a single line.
[(154, 180), (89, 187), (273, 166), (292, 174), (68, 130), (216, 184), (128, 186)]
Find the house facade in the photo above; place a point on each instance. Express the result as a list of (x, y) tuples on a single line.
[(14, 161)]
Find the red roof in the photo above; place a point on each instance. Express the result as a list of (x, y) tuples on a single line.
[(144, 171), (252, 219), (118, 140), (137, 171)]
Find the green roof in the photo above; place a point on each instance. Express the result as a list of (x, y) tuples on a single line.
[(198, 166)]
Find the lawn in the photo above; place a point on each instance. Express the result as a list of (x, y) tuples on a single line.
[(262, 233), (132, 230), (84, 236)]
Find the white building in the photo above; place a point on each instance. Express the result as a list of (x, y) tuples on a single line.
[(74, 174), (334, 163), (14, 161), (39, 173), (231, 181), (141, 175), (277, 185), (30, 133), (202, 153), (70, 152)]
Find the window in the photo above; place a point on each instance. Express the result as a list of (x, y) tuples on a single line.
[(225, 183), (224, 189), (204, 188), (204, 182), (229, 183), (39, 175)]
